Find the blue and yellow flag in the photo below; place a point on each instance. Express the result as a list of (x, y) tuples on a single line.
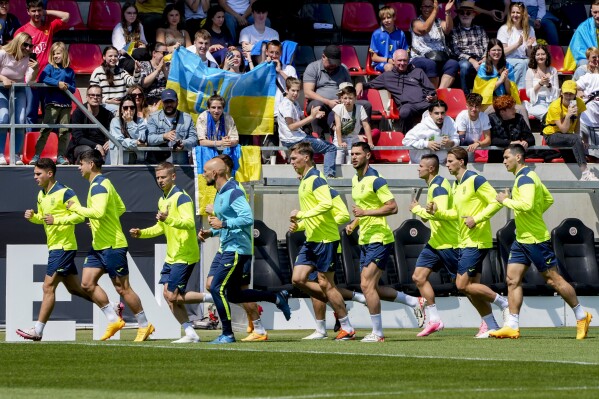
[(250, 96), (584, 37)]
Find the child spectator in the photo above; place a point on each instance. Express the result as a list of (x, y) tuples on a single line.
[(386, 40), (58, 104)]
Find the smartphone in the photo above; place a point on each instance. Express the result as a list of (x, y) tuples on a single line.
[(33, 56), (229, 55)]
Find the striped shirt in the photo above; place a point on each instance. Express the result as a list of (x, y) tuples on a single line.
[(121, 81)]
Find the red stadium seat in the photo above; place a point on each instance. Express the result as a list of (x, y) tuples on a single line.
[(349, 57), (85, 57), (359, 17), (370, 71), (555, 160), (50, 150), (70, 6), (523, 95), (405, 13), (378, 109), (103, 14), (391, 156), (455, 99), (557, 59)]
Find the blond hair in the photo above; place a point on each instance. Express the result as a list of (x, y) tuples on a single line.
[(15, 47), (65, 55), (525, 25)]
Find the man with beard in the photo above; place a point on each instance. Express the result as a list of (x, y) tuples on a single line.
[(233, 222), (173, 128), (373, 203)]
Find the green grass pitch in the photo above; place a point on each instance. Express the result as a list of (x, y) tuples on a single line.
[(543, 363)]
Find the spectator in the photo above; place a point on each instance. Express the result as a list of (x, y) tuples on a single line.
[(257, 32), (291, 120), (130, 131), (542, 86), (386, 40), (238, 13), (429, 50), (409, 86), (220, 37), (143, 109), (507, 127), (112, 79), (518, 39), (171, 32), (588, 86), (543, 19), (234, 62), (195, 15), (171, 128), (201, 47), (150, 15), (469, 43), (9, 23), (321, 83), (434, 135), (592, 65), (491, 13), (15, 66), (154, 74), (129, 33), (349, 120), (58, 104), (273, 54), (215, 127), (83, 140), (473, 126), (495, 74), (584, 37), (41, 30)]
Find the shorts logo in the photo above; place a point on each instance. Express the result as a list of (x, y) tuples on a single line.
[(471, 270), (548, 262), (573, 231), (180, 286), (413, 232), (227, 264), (120, 269)]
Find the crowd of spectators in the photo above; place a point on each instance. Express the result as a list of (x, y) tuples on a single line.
[(452, 45)]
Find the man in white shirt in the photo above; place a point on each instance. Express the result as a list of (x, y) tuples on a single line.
[(435, 134), (200, 46), (474, 127), (258, 31)]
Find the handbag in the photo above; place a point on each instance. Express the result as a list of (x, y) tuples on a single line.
[(437, 56)]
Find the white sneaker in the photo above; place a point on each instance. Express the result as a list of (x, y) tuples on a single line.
[(485, 334), (3, 160), (372, 337), (18, 160), (316, 335), (587, 175), (186, 339)]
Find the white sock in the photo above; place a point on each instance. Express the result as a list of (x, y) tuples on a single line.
[(258, 327), (433, 313), (346, 325), (513, 321), (321, 326), (208, 297), (409, 300), (579, 312), (109, 312), (491, 323), (141, 319), (189, 331), (39, 327), (359, 297), (377, 324), (500, 301)]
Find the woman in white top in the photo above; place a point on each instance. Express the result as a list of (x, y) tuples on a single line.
[(518, 38), (15, 67), (172, 32), (129, 30), (131, 131), (542, 86)]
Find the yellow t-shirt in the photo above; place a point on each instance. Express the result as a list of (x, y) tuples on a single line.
[(557, 111)]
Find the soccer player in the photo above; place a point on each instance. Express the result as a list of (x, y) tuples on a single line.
[(109, 247), (474, 203), (59, 224), (322, 237), (530, 199), (176, 220), (441, 248), (373, 202), (233, 222)]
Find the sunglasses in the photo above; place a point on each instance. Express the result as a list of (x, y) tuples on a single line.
[(126, 107), (137, 95), (164, 53), (28, 45), (465, 12)]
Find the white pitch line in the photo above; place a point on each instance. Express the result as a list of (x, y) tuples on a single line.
[(312, 352)]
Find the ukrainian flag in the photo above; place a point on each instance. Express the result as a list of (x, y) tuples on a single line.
[(584, 37), (250, 96)]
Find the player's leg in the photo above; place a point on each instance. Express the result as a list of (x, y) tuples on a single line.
[(255, 328), (514, 275), (49, 298), (300, 280), (369, 281), (320, 308), (223, 272), (326, 281), (175, 292)]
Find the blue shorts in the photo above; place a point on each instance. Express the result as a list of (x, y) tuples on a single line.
[(224, 261), (471, 260), (377, 253), (318, 254), (61, 262), (175, 276), (246, 274), (435, 259), (540, 254), (113, 261)]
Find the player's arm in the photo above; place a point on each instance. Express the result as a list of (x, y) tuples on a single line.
[(71, 217), (322, 194), (441, 199), (36, 217), (547, 197), (242, 209), (340, 212), (186, 219), (389, 207), (152, 231), (486, 193), (97, 204), (525, 201)]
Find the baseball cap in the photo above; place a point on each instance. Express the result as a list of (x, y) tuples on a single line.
[(333, 53), (343, 85), (168, 95), (569, 86)]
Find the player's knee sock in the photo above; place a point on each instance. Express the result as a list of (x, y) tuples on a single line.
[(109, 312), (189, 331), (346, 325), (433, 313), (258, 327), (321, 327), (377, 324), (208, 297), (141, 319), (409, 300), (491, 323), (579, 312), (500, 301), (513, 321), (39, 327), (359, 297)]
